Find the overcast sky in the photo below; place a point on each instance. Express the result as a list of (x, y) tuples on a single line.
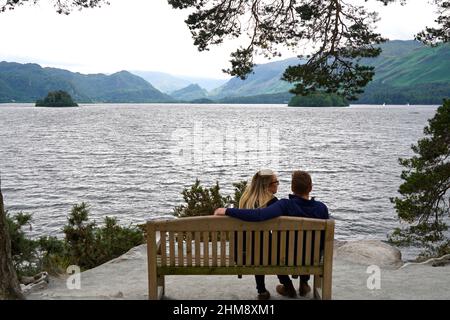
[(145, 35)]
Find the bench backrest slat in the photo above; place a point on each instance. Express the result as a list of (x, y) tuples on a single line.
[(189, 248), (300, 237), (232, 237), (291, 253), (248, 248), (274, 248), (172, 248), (240, 245), (258, 247), (282, 261), (214, 248), (180, 251), (197, 247), (163, 249), (308, 248), (266, 244), (223, 253), (205, 245), (317, 245)]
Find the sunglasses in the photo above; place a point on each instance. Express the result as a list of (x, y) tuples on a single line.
[(277, 182)]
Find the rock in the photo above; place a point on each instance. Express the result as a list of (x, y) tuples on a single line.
[(136, 253), (118, 295), (33, 287), (435, 262), (35, 283), (370, 252), (26, 280)]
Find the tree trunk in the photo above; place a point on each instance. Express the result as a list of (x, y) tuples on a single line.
[(9, 284)]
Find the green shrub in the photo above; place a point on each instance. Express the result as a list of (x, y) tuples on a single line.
[(202, 201), (57, 99), (89, 245), (239, 188), (318, 100), (85, 244), (423, 202), (23, 250)]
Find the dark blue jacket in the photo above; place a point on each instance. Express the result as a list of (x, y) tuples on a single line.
[(294, 206)]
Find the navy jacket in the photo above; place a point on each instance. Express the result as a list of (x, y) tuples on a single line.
[(294, 206)]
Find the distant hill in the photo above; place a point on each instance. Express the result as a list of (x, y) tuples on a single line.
[(265, 79), (29, 82), (162, 81), (208, 84), (416, 75), (191, 92), (168, 83), (405, 72)]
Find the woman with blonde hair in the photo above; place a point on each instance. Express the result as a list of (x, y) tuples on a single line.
[(260, 194)]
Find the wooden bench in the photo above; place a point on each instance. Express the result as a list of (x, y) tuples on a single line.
[(212, 245)]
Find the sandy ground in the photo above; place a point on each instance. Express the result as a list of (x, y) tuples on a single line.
[(126, 278)]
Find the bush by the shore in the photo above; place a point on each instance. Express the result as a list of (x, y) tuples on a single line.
[(86, 244), (318, 100), (201, 201), (57, 99)]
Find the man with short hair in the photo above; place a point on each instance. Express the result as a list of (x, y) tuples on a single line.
[(299, 204)]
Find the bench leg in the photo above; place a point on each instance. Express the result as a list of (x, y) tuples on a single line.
[(152, 286), (161, 283), (326, 287), (317, 286)]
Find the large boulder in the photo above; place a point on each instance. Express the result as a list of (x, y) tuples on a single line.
[(369, 252)]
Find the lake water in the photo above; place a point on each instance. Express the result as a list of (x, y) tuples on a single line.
[(133, 161)]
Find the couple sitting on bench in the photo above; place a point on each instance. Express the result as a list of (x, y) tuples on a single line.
[(259, 203)]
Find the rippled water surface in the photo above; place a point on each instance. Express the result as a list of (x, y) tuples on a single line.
[(132, 161)]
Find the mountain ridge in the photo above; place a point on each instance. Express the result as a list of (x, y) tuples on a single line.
[(402, 71), (30, 82), (405, 72)]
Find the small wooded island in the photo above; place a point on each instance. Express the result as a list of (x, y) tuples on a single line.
[(318, 100), (56, 99)]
